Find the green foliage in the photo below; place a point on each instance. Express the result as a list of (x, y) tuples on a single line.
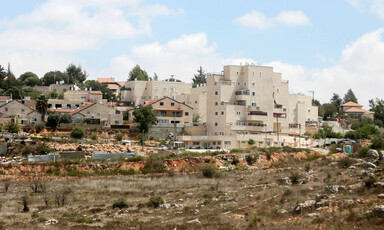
[(138, 74), (254, 220), (155, 201), (94, 136), (84, 220), (350, 96), (251, 159), (77, 132), (12, 127), (53, 120), (328, 110), (364, 131), (369, 183), (209, 170), (27, 75), (119, 136), (346, 162), (362, 152), (42, 105), (377, 106), (39, 127), (54, 76), (120, 204), (251, 142), (336, 100), (378, 142), (199, 78), (15, 91), (97, 86), (53, 95), (76, 74), (326, 132), (295, 178), (32, 81), (154, 165), (43, 149), (144, 115)]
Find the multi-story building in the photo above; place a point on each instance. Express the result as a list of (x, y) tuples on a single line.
[(252, 102), (58, 88), (197, 99), (113, 85), (95, 113), (137, 92), (84, 95), (19, 112)]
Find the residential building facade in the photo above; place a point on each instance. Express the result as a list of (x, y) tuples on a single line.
[(95, 113), (20, 113)]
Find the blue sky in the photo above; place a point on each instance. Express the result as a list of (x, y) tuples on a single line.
[(325, 46)]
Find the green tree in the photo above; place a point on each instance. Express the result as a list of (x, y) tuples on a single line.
[(144, 115), (12, 127), (77, 132), (53, 95), (32, 81), (336, 100), (16, 92), (26, 75), (118, 136), (155, 77), (138, 74), (377, 106), (199, 78), (329, 110), (3, 73), (54, 76), (76, 74), (42, 106), (53, 120), (350, 96), (97, 86)]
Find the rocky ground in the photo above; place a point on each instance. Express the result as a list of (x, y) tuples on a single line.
[(277, 191)]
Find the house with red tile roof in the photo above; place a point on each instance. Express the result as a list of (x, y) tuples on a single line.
[(113, 85), (355, 110)]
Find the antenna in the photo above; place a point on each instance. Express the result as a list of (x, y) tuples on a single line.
[(313, 94)]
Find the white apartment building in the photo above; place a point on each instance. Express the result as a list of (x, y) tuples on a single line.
[(252, 102), (137, 92)]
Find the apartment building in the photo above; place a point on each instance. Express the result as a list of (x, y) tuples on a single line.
[(84, 95), (252, 102), (58, 87), (197, 99), (137, 92)]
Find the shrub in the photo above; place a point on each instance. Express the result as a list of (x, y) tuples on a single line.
[(251, 159), (254, 220), (251, 142), (12, 127), (377, 142), (235, 161), (295, 178), (77, 132), (118, 136), (94, 136), (39, 127), (155, 201), (120, 204), (346, 162), (153, 165), (25, 203), (209, 170), (43, 149), (362, 152), (84, 220), (370, 181)]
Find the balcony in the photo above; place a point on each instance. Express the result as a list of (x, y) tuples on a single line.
[(246, 126), (242, 95)]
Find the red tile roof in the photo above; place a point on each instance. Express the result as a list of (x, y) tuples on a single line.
[(351, 104), (62, 110), (357, 110), (82, 108), (95, 93), (121, 83), (106, 79)]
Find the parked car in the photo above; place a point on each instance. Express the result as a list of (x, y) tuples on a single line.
[(126, 142)]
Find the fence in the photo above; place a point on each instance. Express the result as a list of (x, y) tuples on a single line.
[(101, 155), (44, 158)]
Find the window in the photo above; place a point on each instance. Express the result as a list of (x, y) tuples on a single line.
[(238, 83), (227, 142), (284, 110), (172, 103), (6, 109), (88, 112), (162, 121), (216, 92), (253, 84), (253, 103), (253, 93), (195, 102), (222, 112), (161, 103), (216, 124), (216, 103), (216, 113), (22, 110), (186, 114), (195, 143), (277, 90), (162, 113), (214, 143), (175, 122), (309, 110), (68, 106), (176, 114), (238, 113), (117, 122), (83, 97), (99, 113), (245, 83)]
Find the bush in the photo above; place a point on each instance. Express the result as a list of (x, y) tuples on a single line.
[(153, 165), (12, 127), (118, 136), (251, 142), (39, 127), (77, 132), (370, 181), (377, 142), (42, 149), (362, 152), (120, 204), (251, 159), (235, 161), (346, 162), (209, 170), (94, 136), (295, 178), (155, 201)]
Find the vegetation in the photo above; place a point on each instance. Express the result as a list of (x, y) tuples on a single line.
[(12, 127), (155, 201), (209, 170), (42, 105), (138, 74), (144, 115), (199, 78), (350, 97), (77, 132), (251, 142), (120, 204), (119, 136)]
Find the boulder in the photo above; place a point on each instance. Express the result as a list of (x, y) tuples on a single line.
[(373, 156), (306, 206), (366, 165), (334, 188), (378, 211), (381, 155), (381, 196)]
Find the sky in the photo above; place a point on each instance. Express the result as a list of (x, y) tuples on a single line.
[(326, 46)]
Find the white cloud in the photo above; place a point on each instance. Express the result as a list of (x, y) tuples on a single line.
[(59, 28), (374, 6), (359, 68), (258, 20)]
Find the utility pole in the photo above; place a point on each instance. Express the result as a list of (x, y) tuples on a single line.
[(313, 94)]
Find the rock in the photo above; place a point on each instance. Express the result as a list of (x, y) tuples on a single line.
[(215, 199), (352, 167), (367, 173), (373, 156), (195, 221), (334, 188), (366, 165), (306, 206), (165, 206), (379, 184), (378, 211), (51, 221), (355, 186), (283, 211), (381, 155), (381, 196), (313, 215), (284, 181)]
